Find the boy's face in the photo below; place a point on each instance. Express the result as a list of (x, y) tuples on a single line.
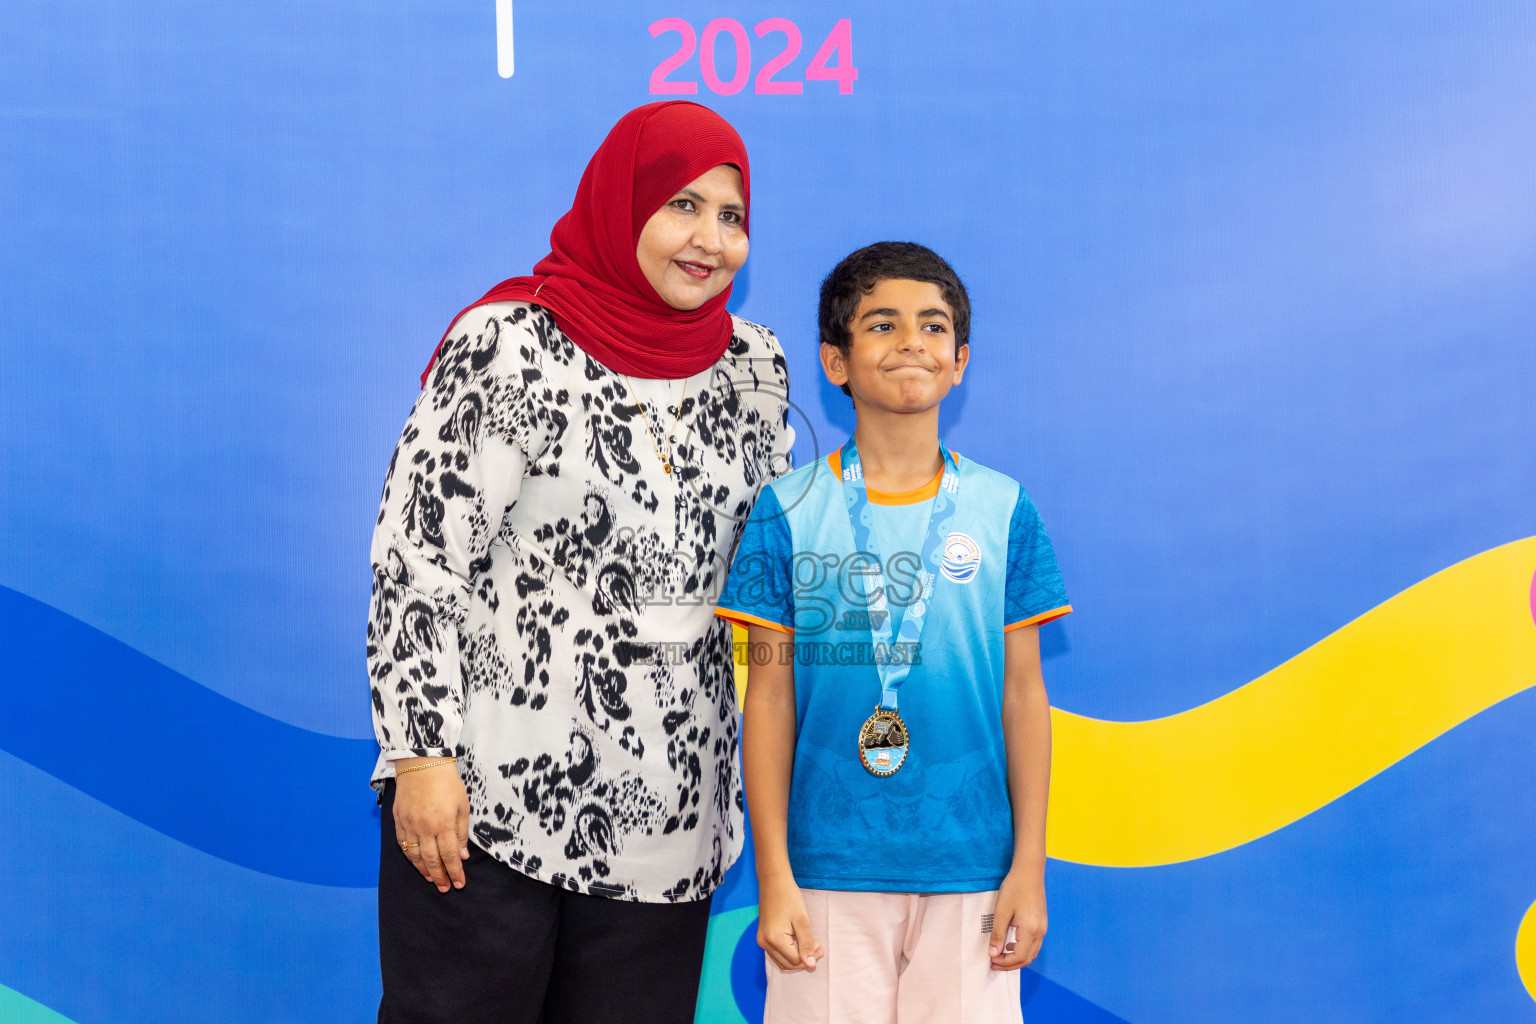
[(902, 358)]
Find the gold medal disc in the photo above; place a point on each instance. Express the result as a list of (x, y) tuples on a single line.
[(883, 742)]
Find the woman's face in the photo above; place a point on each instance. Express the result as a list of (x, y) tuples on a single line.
[(692, 247)]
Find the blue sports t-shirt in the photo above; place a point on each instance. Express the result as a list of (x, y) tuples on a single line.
[(943, 822)]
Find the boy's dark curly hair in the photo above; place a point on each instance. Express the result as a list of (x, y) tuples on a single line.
[(859, 272)]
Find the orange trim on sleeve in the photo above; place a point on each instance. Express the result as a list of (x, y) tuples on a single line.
[(743, 619), (923, 493), (1043, 617)]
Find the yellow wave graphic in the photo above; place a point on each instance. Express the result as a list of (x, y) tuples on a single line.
[(1525, 950), (1134, 794)]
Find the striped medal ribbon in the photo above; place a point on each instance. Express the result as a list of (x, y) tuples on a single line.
[(884, 740)]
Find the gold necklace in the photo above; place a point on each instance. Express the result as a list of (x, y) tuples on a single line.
[(666, 460)]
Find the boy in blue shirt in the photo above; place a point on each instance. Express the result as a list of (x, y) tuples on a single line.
[(897, 731)]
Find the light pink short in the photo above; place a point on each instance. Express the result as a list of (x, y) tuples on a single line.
[(894, 958)]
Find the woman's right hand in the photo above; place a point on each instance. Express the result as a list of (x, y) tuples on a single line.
[(432, 820), (784, 926)]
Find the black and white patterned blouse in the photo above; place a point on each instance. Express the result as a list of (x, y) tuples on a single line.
[(543, 599)]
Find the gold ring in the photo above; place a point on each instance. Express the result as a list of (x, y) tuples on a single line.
[(406, 846)]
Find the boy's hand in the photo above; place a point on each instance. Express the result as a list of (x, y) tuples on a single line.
[(1021, 904), (784, 927)]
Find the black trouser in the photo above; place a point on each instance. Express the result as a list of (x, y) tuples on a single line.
[(507, 949)]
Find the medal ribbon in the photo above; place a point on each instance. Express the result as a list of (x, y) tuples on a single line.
[(861, 517)]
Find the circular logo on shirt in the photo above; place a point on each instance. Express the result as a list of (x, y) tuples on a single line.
[(962, 557)]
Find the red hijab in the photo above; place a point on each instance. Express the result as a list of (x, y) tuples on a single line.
[(591, 280)]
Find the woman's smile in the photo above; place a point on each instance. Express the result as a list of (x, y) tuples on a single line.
[(700, 271)]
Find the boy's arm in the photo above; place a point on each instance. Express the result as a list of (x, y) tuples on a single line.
[(1027, 737), (768, 755)]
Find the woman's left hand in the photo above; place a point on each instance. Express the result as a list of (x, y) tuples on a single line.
[(1021, 904)]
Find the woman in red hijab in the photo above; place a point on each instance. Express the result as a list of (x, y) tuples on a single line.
[(553, 698)]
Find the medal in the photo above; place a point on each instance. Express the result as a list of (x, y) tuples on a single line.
[(884, 741)]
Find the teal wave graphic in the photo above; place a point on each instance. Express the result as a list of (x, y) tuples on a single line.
[(16, 1008), (188, 762)]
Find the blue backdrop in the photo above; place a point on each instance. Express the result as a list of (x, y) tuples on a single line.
[(1253, 323)]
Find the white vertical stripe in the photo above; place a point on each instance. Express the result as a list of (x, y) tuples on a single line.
[(504, 38)]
